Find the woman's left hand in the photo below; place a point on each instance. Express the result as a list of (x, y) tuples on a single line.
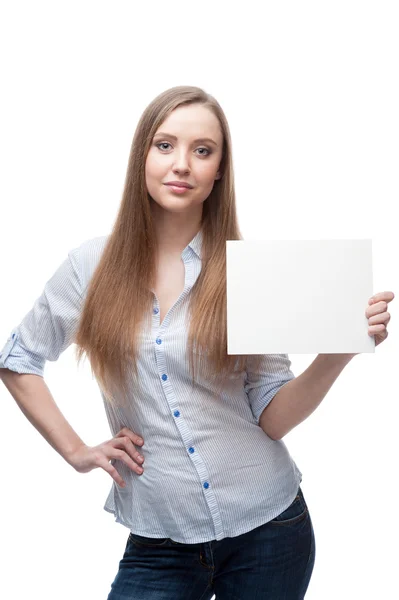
[(378, 316)]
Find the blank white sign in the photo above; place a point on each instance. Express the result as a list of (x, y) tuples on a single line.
[(298, 296)]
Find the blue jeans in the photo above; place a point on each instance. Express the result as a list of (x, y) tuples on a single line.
[(271, 562)]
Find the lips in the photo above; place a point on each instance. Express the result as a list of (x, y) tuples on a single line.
[(179, 184)]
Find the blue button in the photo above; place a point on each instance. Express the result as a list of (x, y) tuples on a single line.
[(191, 450), (159, 341), (176, 413), (206, 485), (156, 311), (164, 377)]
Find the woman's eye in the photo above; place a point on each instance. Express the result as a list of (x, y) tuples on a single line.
[(206, 150), (162, 144), (167, 144)]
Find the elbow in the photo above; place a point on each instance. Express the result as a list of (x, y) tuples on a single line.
[(265, 425), (272, 436)]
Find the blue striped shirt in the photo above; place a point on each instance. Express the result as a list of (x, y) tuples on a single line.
[(210, 471)]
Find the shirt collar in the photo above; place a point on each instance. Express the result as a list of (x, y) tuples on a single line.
[(196, 243)]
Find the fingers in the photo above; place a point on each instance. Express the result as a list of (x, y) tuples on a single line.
[(376, 329), (129, 438), (377, 308), (388, 296), (131, 450), (128, 445), (128, 454), (136, 439), (380, 318), (103, 463), (122, 455)]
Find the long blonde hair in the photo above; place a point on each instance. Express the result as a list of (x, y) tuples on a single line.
[(119, 294)]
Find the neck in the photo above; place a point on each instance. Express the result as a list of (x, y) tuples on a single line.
[(175, 231)]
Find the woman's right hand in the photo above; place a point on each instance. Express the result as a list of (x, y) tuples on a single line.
[(121, 447)]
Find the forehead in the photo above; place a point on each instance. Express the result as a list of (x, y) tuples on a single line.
[(192, 121)]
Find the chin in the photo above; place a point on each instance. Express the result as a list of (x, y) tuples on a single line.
[(177, 205)]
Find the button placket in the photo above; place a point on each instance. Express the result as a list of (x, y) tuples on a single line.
[(167, 386)]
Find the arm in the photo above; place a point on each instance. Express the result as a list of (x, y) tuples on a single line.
[(43, 334), (36, 402), (298, 398)]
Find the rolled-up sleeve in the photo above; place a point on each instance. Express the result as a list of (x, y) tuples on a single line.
[(49, 327), (263, 383)]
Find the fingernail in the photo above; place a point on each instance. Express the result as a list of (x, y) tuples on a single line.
[(140, 441)]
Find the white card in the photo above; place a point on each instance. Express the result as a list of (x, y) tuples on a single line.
[(298, 296)]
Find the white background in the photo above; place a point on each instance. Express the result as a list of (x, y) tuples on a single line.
[(310, 90)]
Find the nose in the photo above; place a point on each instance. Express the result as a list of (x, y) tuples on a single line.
[(181, 163)]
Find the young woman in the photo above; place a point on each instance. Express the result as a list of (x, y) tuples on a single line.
[(211, 495)]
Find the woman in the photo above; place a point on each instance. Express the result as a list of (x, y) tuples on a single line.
[(213, 500)]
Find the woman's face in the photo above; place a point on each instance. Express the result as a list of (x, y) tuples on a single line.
[(178, 152)]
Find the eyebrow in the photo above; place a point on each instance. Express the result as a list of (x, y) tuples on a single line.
[(173, 137)]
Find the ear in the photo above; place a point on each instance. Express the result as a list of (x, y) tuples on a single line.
[(218, 175)]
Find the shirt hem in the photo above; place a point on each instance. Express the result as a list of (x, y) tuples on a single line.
[(198, 540)]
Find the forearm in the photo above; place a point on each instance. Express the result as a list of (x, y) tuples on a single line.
[(36, 402), (298, 398)]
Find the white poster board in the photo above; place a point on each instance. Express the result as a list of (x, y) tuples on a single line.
[(298, 296)]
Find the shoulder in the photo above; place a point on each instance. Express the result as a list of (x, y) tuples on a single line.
[(85, 256), (89, 249)]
